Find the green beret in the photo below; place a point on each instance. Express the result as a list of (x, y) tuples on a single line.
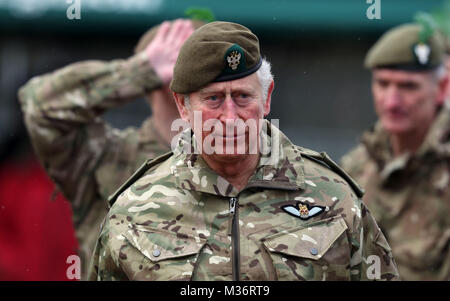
[(218, 51), (402, 48)]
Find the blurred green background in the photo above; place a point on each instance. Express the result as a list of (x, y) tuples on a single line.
[(322, 93)]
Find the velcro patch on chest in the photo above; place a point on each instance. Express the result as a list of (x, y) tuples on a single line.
[(303, 211)]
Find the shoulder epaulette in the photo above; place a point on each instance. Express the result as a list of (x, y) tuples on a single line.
[(325, 160), (137, 175)]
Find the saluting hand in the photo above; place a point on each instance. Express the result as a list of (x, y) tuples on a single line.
[(163, 50)]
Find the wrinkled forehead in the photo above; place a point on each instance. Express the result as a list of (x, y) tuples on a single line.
[(249, 83)]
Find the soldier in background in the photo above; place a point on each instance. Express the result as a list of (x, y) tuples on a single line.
[(287, 214), (86, 158), (403, 163)]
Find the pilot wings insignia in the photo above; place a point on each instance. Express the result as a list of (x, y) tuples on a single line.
[(303, 211)]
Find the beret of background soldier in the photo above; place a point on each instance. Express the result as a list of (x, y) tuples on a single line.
[(407, 47)]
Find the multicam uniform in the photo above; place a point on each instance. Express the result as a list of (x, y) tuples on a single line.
[(295, 220), (86, 158), (409, 196)]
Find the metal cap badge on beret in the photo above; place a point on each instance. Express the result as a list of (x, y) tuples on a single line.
[(402, 48), (217, 51)]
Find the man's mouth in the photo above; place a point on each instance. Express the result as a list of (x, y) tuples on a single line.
[(231, 134), (230, 137), (395, 114)]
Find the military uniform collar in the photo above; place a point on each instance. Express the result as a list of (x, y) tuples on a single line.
[(438, 138), (436, 142), (378, 146), (274, 172)]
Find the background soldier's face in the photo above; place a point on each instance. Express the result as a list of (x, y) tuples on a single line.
[(404, 101), (230, 100)]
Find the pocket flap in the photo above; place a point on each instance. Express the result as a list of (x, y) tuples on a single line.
[(310, 241), (158, 244)]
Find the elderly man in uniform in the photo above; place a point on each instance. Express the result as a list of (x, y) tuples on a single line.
[(86, 158), (206, 214), (403, 163)]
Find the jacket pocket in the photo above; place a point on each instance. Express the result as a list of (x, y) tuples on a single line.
[(161, 255), (315, 251)]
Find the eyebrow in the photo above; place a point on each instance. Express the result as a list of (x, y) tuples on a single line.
[(209, 90)]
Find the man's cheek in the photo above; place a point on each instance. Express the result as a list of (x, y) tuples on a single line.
[(378, 107)]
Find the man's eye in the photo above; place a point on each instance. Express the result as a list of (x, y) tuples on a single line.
[(213, 97), (382, 83), (242, 96)]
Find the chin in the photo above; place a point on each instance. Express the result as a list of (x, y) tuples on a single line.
[(396, 128)]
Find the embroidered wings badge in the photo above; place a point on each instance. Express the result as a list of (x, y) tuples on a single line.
[(303, 211)]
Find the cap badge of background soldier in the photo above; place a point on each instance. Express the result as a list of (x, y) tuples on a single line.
[(422, 50)]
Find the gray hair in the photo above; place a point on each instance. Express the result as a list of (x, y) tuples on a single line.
[(264, 75), (439, 72)]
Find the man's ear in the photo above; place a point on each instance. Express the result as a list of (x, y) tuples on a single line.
[(180, 101), (268, 99)]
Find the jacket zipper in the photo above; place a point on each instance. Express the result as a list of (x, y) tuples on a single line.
[(235, 238)]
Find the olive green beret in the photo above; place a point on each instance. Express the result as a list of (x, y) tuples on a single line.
[(401, 48), (217, 51), (150, 34)]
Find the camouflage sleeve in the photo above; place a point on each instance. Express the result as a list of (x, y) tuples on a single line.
[(371, 254), (62, 113), (80, 92)]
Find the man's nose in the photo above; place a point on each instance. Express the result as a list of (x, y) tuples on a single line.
[(392, 98), (229, 110)]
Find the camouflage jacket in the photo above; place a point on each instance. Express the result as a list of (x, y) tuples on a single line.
[(409, 196), (84, 156), (296, 219)]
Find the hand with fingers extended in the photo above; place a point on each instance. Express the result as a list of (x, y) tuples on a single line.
[(163, 51)]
